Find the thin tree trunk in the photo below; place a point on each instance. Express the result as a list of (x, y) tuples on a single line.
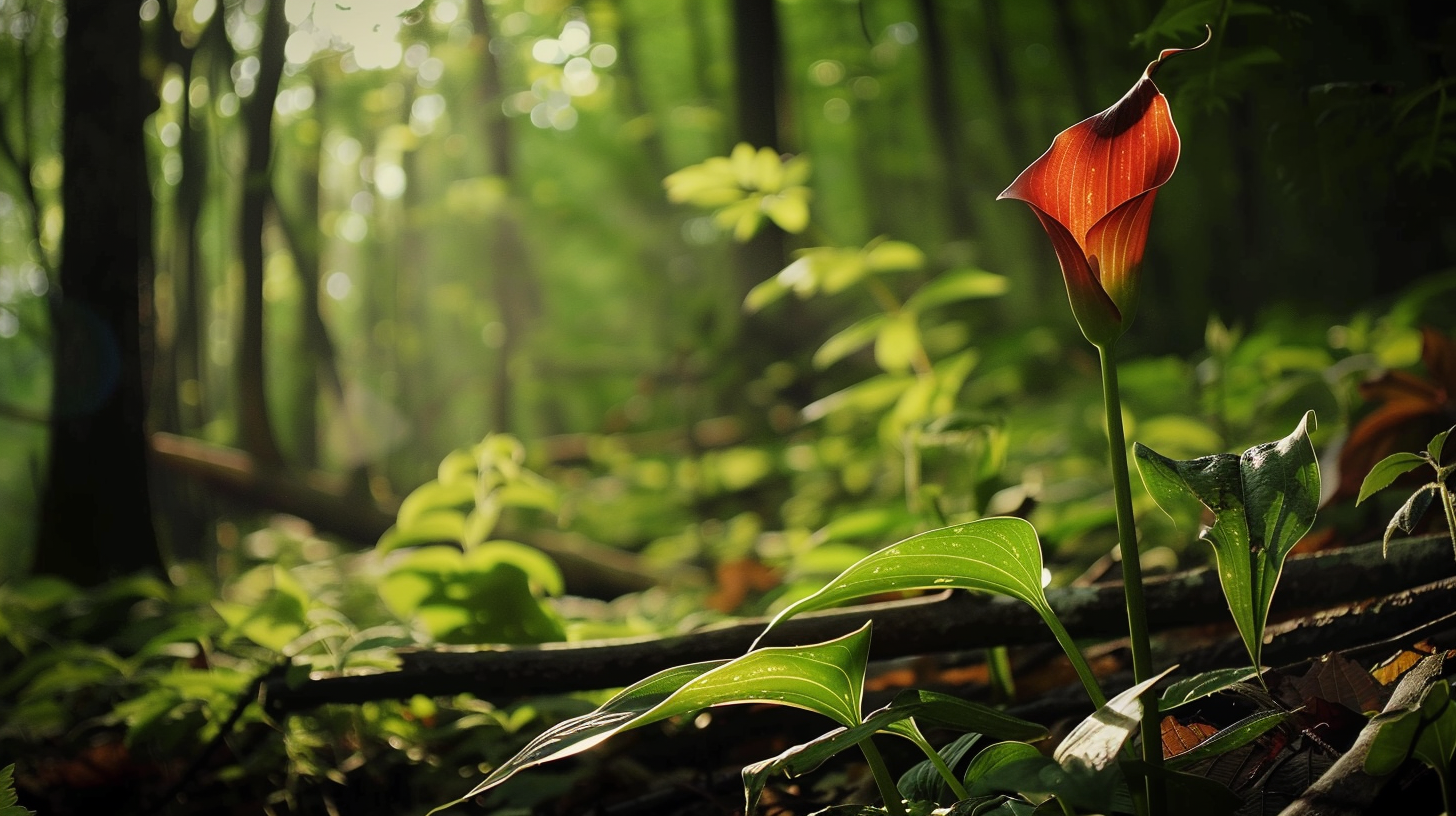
[(255, 427), (96, 517), (944, 122), (513, 280)]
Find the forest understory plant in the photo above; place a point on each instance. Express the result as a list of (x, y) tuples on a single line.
[(1093, 193)]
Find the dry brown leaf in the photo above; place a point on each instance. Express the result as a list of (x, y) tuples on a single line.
[(1178, 737)]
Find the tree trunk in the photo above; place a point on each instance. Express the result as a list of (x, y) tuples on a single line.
[(96, 518), (254, 425)]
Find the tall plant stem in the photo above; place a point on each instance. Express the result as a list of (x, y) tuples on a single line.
[(1132, 571), (883, 779)]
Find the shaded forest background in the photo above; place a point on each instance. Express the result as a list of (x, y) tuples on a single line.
[(656, 313), (367, 236)]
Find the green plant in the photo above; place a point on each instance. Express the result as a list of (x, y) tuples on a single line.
[(1426, 731), (827, 678), (8, 800), (1262, 503), (1093, 191), (1387, 470)]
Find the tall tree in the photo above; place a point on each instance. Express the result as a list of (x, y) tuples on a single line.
[(96, 517), (256, 428)]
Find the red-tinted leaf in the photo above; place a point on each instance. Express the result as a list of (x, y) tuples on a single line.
[(1178, 737), (1338, 680), (1412, 411)]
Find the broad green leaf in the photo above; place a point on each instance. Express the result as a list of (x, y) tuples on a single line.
[(481, 597), (992, 757), (923, 781), (956, 285), (1386, 471), (858, 335), (1393, 742), (898, 343), (1401, 728), (827, 678), (1436, 744), (1202, 685), (623, 711), (1233, 737), (1000, 555), (893, 256), (1410, 513), (1438, 443), (1096, 741), (1262, 503), (948, 711)]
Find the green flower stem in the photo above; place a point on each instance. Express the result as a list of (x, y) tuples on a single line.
[(886, 783), (943, 769), (1132, 572)]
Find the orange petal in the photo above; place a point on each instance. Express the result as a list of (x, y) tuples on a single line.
[(1095, 312), (1103, 161), (1117, 243)]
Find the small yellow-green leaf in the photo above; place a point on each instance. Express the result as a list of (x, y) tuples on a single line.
[(789, 209), (846, 342), (837, 269), (898, 344), (868, 396), (893, 256), (764, 293), (435, 496), (768, 170), (538, 566), (956, 285), (796, 171), (1437, 443), (429, 528), (1387, 470), (744, 159)]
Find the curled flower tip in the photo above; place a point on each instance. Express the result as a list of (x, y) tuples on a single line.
[(1173, 52)]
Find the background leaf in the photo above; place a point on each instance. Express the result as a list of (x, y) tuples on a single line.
[(1386, 471)]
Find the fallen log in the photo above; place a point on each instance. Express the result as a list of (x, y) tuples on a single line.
[(923, 625), (588, 568)]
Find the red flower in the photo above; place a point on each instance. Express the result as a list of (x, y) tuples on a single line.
[(1093, 191)]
